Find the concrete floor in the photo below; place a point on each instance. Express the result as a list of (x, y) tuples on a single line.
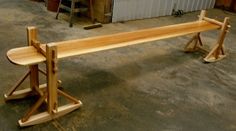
[(147, 87)]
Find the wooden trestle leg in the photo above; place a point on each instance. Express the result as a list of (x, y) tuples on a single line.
[(48, 92), (217, 52), (33, 74), (194, 44), (50, 95)]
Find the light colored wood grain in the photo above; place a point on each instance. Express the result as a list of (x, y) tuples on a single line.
[(29, 55), (45, 116), (51, 55)]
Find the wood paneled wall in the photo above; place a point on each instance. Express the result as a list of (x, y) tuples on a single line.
[(102, 10)]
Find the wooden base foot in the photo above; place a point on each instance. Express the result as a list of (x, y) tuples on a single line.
[(216, 54), (23, 93), (214, 59), (45, 116)]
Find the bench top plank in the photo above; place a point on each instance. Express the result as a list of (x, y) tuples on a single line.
[(29, 55)]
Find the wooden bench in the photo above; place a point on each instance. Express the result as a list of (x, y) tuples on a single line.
[(36, 53)]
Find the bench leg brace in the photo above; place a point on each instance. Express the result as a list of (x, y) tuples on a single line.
[(30, 119), (194, 44), (34, 89)]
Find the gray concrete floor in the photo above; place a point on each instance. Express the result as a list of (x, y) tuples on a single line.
[(147, 87)]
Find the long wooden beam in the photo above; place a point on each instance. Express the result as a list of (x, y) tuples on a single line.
[(29, 55)]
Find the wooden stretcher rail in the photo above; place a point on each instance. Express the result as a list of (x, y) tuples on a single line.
[(29, 55)]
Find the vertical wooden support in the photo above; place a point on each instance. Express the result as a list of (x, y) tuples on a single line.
[(198, 36), (34, 75), (202, 15), (196, 42), (221, 38), (217, 53), (51, 54)]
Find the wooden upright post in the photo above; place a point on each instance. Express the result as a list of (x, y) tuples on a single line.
[(196, 42), (202, 15), (51, 55), (34, 75)]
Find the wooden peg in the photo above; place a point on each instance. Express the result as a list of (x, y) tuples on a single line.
[(37, 45)]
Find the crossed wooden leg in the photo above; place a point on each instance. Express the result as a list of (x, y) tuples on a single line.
[(30, 119), (194, 44), (35, 89)]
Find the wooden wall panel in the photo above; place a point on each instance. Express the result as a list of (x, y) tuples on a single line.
[(102, 9)]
